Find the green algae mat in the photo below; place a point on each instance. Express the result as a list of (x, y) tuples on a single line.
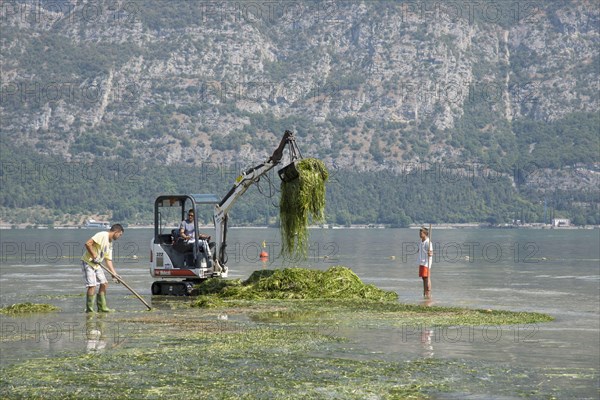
[(339, 291), (277, 335), (28, 308)]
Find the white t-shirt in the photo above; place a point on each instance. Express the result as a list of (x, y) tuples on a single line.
[(423, 250)]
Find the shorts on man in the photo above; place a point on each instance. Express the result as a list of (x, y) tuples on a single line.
[(92, 277)]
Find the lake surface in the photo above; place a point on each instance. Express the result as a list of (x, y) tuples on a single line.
[(556, 272)]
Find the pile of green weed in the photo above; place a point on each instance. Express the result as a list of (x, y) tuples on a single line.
[(27, 308), (301, 198), (292, 283)]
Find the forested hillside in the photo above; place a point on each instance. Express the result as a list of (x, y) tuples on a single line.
[(424, 111)]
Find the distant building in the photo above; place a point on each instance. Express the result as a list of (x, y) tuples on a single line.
[(558, 222), (91, 223)]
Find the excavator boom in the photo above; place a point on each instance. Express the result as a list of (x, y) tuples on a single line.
[(247, 179)]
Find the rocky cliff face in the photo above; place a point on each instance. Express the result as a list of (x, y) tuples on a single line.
[(366, 85)]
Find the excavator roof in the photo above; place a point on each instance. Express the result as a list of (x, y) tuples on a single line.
[(205, 198), (180, 199)]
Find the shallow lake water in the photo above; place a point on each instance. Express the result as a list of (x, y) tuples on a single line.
[(556, 272)]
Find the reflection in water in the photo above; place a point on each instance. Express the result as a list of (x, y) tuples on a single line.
[(95, 333), (427, 302), (223, 317), (427, 343)]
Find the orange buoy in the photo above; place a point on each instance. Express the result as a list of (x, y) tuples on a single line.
[(264, 256)]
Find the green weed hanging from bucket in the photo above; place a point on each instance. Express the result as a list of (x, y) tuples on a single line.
[(301, 198)]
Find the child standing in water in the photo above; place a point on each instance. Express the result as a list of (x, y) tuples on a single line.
[(425, 258)]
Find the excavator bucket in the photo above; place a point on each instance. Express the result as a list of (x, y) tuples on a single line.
[(289, 173)]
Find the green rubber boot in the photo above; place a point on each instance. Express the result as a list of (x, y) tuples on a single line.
[(89, 303), (102, 307)]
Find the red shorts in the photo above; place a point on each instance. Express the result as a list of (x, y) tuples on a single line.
[(423, 271)]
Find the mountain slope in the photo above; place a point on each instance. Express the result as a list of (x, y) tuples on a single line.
[(367, 86)]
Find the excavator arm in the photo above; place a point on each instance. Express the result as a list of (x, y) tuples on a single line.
[(242, 183)]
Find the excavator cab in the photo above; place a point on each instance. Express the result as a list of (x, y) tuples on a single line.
[(173, 257)]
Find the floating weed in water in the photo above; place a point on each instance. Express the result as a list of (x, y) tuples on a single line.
[(287, 349), (208, 302), (390, 314), (211, 365), (348, 298), (266, 361), (28, 308), (400, 314), (281, 352), (60, 296), (302, 198)]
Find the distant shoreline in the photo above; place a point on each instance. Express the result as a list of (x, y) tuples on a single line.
[(331, 226)]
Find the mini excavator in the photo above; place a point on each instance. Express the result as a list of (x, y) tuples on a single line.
[(180, 264)]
